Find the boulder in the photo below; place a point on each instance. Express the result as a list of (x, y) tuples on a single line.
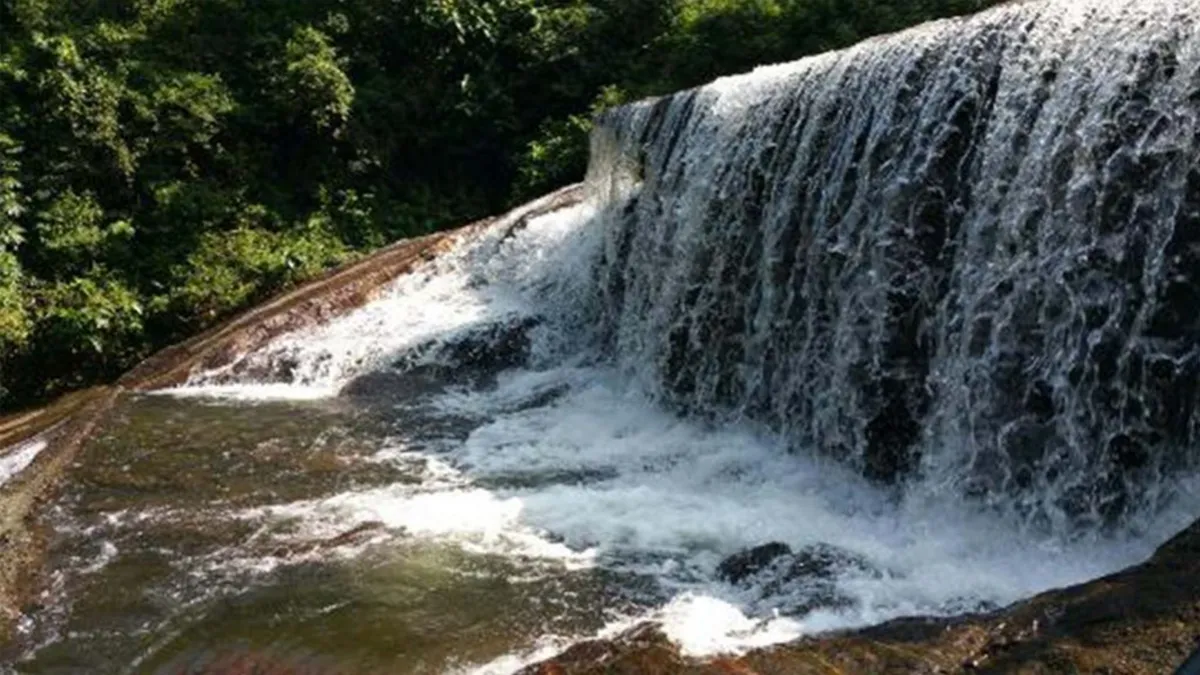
[(794, 583), (776, 563), (742, 565), (469, 358), (808, 582), (492, 348), (825, 561), (389, 385)]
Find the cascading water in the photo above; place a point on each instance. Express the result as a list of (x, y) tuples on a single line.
[(967, 253), (928, 301)]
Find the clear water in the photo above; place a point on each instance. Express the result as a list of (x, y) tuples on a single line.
[(193, 536)]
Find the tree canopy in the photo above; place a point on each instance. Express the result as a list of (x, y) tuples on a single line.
[(164, 163)]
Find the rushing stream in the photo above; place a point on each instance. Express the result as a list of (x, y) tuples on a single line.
[(925, 302)]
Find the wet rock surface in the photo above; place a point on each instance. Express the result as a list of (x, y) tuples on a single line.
[(472, 358), (389, 385), (795, 583), (255, 662), (1141, 621), (744, 565), (65, 426), (779, 562), (488, 350)]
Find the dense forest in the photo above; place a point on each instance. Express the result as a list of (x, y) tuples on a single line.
[(164, 163)]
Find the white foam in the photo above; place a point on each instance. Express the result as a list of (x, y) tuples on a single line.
[(660, 495), (603, 478), (703, 625), (494, 277), (511, 663), (108, 553), (19, 457), (444, 507)]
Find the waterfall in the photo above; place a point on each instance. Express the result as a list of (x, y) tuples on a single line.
[(961, 260), (932, 302), (963, 257)]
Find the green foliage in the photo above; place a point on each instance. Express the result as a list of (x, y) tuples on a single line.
[(164, 163), (84, 329), (90, 316), (229, 270), (12, 198), (558, 154), (189, 109), (555, 156), (72, 231), (15, 323), (314, 87)]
